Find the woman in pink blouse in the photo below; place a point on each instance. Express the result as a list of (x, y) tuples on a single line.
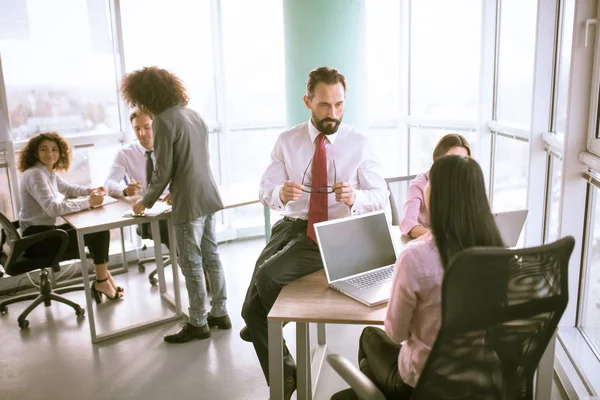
[(460, 218), (415, 222)]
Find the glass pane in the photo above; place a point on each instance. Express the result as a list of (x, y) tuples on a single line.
[(590, 321), (390, 148), (510, 174), (383, 59), (445, 58), (215, 157), (57, 79), (554, 193), (564, 67), (249, 153), (6, 206), (516, 62), (253, 60), (79, 171), (422, 143), (177, 37)]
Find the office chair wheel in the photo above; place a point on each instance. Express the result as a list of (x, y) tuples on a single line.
[(80, 312), (3, 310), (23, 324), (153, 281), (141, 268)]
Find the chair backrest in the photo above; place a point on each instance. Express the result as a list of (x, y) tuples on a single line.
[(393, 205), (8, 238), (500, 308)]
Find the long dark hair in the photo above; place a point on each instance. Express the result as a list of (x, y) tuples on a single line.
[(460, 212)]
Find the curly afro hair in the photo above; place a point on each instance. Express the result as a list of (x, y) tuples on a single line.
[(153, 90)]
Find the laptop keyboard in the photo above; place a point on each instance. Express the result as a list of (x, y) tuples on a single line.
[(373, 279)]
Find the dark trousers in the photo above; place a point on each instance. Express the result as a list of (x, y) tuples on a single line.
[(98, 244), (378, 359), (289, 255), (145, 231)]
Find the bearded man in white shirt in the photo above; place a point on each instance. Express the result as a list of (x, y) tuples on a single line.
[(320, 170)]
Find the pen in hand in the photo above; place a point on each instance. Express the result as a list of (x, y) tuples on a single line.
[(133, 187)]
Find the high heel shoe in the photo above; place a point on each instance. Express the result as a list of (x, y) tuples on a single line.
[(98, 294), (117, 288)]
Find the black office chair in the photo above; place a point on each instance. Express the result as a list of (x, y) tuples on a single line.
[(500, 308), (15, 262), (393, 205)]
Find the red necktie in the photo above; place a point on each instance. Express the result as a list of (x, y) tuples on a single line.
[(318, 208)]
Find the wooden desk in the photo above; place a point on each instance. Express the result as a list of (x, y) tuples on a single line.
[(110, 217), (310, 300)]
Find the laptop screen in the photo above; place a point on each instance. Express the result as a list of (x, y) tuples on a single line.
[(510, 224), (355, 245)]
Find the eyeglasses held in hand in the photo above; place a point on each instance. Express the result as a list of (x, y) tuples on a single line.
[(323, 189)]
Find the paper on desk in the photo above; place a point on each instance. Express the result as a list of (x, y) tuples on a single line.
[(158, 208), (107, 200)]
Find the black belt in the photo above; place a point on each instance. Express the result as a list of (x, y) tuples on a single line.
[(291, 219)]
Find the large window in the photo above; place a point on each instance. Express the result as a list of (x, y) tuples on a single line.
[(445, 58), (56, 79), (590, 316), (6, 205), (515, 62), (511, 166), (177, 37), (253, 62), (554, 190)]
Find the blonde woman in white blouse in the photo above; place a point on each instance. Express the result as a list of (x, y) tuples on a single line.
[(41, 204)]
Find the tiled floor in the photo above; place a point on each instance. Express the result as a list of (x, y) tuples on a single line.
[(54, 358)]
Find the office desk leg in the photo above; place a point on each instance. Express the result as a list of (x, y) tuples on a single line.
[(303, 371), (160, 268), (174, 267), (123, 252), (86, 286), (319, 356), (276, 360)]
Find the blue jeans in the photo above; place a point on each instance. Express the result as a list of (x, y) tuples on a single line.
[(197, 246)]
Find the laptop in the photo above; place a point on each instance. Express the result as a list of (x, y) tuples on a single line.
[(358, 256), (510, 224)]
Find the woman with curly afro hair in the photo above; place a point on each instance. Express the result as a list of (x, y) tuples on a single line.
[(182, 159), (41, 204)]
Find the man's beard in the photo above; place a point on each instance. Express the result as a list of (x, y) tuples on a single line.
[(327, 129)]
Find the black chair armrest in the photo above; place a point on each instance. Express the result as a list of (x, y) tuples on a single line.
[(26, 242)]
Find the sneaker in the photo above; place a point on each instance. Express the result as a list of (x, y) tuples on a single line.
[(189, 332)]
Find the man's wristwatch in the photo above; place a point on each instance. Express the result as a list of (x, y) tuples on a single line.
[(125, 192)]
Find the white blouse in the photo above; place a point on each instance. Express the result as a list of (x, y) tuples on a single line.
[(40, 199)]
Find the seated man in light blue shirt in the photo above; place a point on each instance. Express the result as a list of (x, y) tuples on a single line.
[(133, 167)]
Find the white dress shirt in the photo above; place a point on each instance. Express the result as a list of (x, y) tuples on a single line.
[(130, 161), (347, 149), (41, 202)]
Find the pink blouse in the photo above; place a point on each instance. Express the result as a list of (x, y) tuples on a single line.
[(415, 212), (414, 312)]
